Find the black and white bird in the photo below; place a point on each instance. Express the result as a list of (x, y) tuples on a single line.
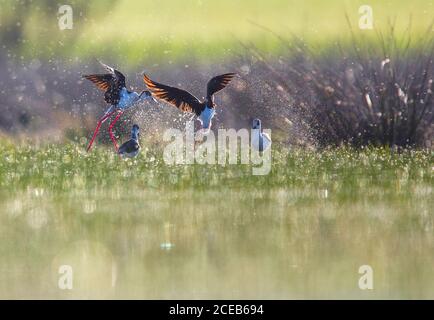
[(185, 101), (260, 140), (117, 96), (131, 148)]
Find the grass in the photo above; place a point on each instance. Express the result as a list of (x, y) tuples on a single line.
[(65, 168), (141, 229)]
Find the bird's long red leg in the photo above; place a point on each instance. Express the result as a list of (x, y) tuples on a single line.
[(111, 128), (100, 122)]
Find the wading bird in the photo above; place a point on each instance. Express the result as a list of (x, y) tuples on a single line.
[(131, 148), (185, 101), (117, 96), (260, 141)]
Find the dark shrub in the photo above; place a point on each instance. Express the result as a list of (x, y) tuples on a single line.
[(368, 92)]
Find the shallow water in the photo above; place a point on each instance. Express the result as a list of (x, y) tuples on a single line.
[(281, 243)]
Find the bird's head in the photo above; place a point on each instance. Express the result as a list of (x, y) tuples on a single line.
[(256, 124), (135, 132), (146, 95)]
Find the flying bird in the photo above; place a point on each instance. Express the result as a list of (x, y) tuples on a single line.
[(260, 140), (117, 96), (131, 148), (185, 101)]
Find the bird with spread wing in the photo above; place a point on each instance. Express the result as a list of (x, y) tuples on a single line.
[(117, 96), (186, 102)]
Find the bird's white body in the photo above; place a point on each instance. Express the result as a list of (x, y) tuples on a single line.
[(259, 138), (205, 119), (129, 99)]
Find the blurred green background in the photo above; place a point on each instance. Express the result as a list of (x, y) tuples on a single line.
[(171, 30)]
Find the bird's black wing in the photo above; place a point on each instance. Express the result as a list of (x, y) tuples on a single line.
[(181, 99), (111, 83), (102, 81), (120, 78), (217, 83)]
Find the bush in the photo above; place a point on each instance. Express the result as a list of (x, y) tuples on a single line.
[(375, 92)]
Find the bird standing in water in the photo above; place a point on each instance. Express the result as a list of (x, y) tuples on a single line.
[(260, 141), (185, 101), (117, 96), (131, 148)]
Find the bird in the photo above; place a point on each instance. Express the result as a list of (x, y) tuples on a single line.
[(186, 102), (260, 141), (131, 148), (117, 96)]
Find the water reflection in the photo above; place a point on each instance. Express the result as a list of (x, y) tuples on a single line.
[(282, 243)]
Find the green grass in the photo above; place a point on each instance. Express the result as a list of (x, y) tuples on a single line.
[(300, 232), (170, 30), (59, 168)]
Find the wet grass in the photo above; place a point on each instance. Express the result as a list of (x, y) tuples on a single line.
[(142, 229)]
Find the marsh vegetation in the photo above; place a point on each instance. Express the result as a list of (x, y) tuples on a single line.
[(351, 182)]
